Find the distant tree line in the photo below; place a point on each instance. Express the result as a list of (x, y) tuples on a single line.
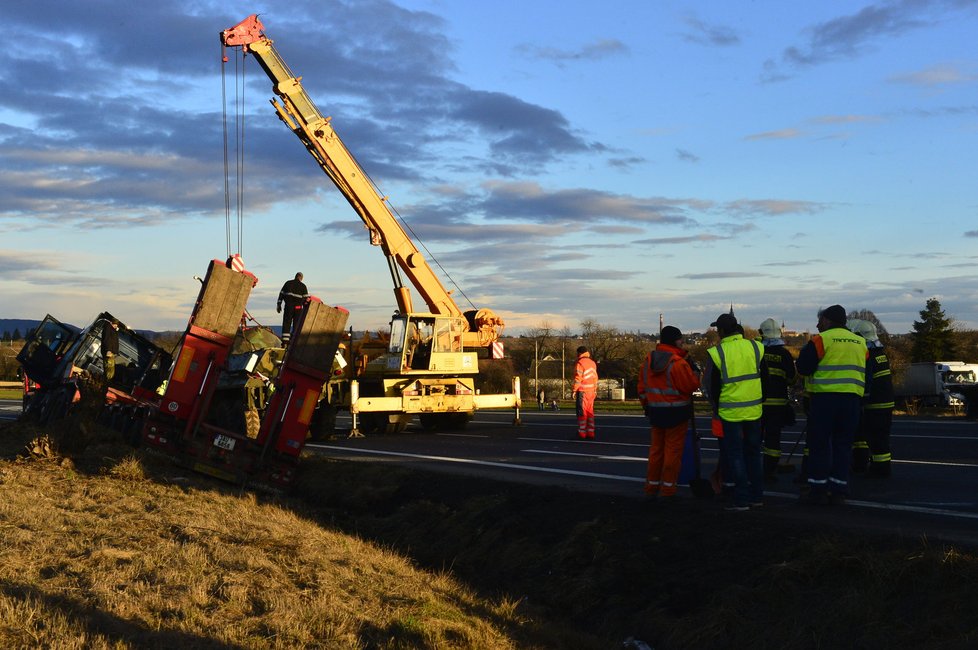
[(16, 336), (548, 354)]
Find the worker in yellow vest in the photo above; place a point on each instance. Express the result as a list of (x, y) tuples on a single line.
[(733, 381), (834, 362)]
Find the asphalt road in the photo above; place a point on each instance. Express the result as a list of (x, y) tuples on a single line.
[(9, 409), (933, 491)]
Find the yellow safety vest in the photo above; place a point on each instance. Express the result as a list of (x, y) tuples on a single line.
[(738, 361), (842, 362)]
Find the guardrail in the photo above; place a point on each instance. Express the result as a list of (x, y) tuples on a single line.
[(11, 384)]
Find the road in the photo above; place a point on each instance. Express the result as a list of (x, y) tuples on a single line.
[(933, 491), (9, 410)]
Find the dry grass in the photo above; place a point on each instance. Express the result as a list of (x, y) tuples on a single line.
[(102, 547), (112, 560)]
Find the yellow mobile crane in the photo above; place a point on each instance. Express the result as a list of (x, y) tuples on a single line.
[(431, 361)]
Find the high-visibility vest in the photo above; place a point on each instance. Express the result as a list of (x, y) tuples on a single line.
[(842, 362), (586, 375), (738, 361), (659, 390)]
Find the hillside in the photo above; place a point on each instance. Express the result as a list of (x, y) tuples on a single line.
[(105, 547), (14, 326)]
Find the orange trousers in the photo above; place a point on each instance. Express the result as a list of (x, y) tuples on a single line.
[(585, 415), (665, 459)]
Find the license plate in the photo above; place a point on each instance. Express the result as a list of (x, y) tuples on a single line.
[(224, 442)]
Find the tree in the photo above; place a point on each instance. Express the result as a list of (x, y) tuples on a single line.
[(17, 336), (868, 315), (619, 355), (933, 335)]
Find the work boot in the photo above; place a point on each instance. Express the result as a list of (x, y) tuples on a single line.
[(879, 470), (813, 499), (860, 460), (771, 469), (837, 500)]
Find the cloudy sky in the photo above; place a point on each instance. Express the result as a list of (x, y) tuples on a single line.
[(560, 161)]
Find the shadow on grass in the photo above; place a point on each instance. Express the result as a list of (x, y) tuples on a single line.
[(587, 570), (95, 622)]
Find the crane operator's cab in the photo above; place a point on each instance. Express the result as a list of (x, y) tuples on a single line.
[(421, 342), (424, 372)]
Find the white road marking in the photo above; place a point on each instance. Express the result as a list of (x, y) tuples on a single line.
[(933, 462), (930, 509), (614, 477), (570, 453), (469, 461)]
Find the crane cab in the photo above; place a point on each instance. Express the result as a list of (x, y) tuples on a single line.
[(423, 343)]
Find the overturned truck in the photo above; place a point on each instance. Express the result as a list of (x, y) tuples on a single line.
[(243, 417), (58, 358), (231, 402)]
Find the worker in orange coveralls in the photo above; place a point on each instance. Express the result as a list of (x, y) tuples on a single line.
[(665, 388), (585, 389)]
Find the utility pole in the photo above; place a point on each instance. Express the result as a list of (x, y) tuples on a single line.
[(536, 367), (563, 367), (660, 325)]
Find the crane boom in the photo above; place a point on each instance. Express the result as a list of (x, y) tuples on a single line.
[(301, 115)]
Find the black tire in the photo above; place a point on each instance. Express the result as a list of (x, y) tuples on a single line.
[(382, 423), (444, 421), (323, 424), (54, 407), (133, 432)]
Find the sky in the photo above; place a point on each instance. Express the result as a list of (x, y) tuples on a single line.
[(556, 162)]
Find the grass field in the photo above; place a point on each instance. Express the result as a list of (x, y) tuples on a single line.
[(104, 547), (11, 393)]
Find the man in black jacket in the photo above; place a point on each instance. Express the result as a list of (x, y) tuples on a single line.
[(871, 448), (293, 294), (777, 374)]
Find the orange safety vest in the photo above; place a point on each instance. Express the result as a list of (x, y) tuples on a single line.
[(586, 375), (657, 384)]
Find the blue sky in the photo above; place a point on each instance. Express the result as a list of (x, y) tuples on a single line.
[(561, 161)]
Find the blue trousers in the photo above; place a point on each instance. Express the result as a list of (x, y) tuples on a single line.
[(832, 422), (742, 464)]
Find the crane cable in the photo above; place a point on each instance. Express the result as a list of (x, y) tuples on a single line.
[(239, 149), (425, 248), (239, 175), (414, 235)]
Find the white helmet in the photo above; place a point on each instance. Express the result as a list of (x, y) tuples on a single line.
[(864, 328), (770, 329)]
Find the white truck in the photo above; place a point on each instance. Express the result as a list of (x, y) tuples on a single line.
[(939, 383)]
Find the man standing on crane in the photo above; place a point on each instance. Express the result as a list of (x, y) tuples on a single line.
[(293, 294), (585, 389)]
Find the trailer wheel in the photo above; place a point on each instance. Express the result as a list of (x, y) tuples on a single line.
[(133, 431), (381, 423)]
